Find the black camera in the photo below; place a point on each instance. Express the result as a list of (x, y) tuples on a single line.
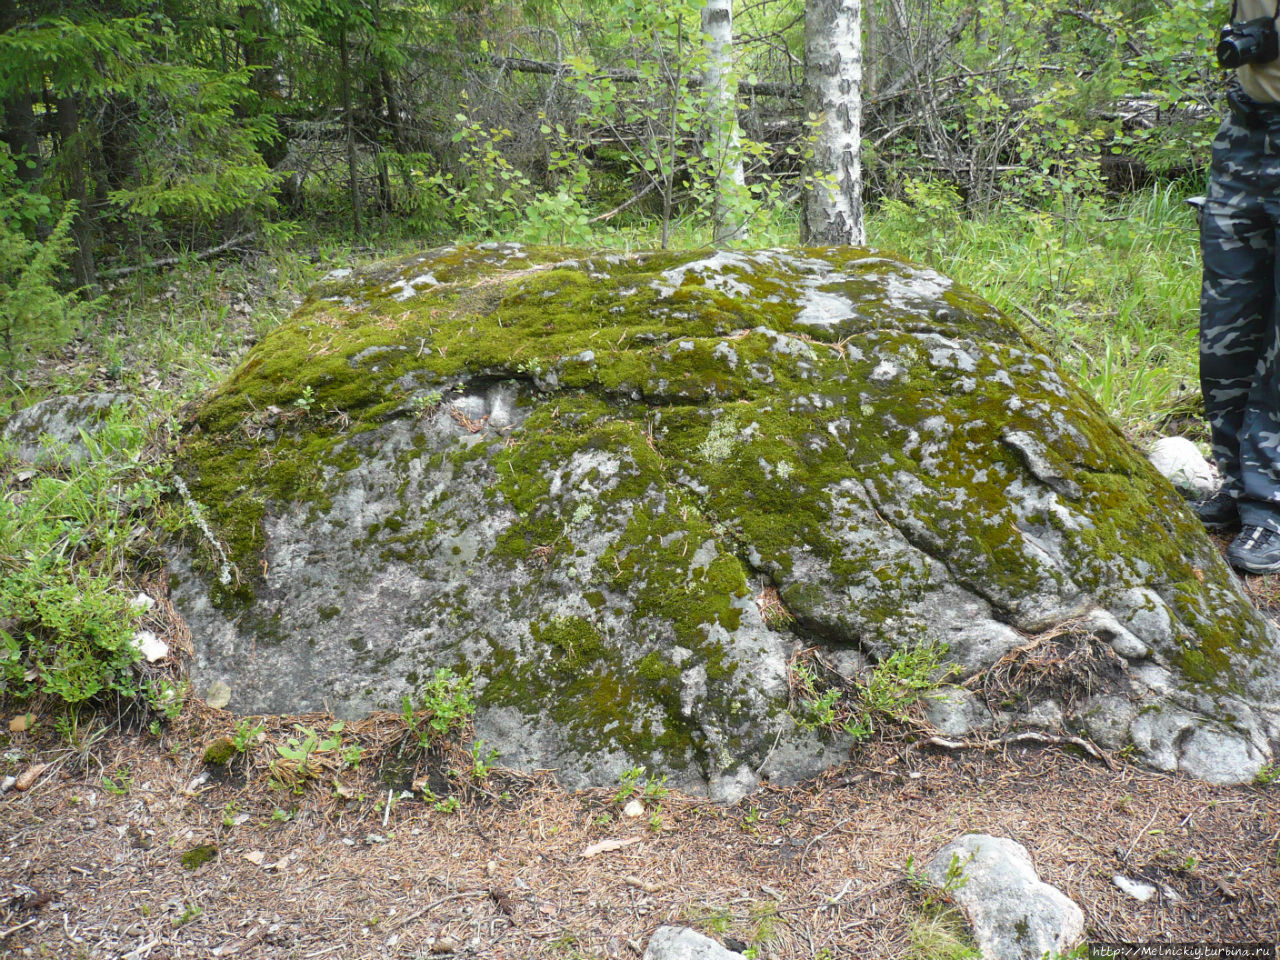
[(1252, 41)]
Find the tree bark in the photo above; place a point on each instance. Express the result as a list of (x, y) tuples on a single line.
[(728, 220), (71, 159), (833, 103), (348, 113)]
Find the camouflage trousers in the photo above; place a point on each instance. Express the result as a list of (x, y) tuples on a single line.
[(1239, 322)]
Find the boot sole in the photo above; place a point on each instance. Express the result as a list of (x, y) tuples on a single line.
[(1255, 568)]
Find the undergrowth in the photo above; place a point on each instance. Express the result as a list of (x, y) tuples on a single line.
[(823, 700), (71, 535)]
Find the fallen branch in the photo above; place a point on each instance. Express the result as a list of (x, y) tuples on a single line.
[(550, 69), (1027, 736), (617, 210), (11, 930), (174, 261)]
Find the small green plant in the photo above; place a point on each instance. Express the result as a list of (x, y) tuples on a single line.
[(651, 791), (190, 912), (303, 758), (230, 810), (118, 783), (954, 878), (1269, 774), (447, 805), (246, 734), (655, 789), (481, 763), (279, 815), (306, 400), (817, 707), (166, 698), (627, 784), (351, 756), (424, 403), (885, 695), (446, 707), (915, 876), (68, 623), (940, 934)]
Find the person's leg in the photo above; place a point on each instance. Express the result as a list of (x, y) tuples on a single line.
[(1237, 298), (1259, 432)]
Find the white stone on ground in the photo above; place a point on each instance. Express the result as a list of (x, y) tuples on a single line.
[(1134, 888), (681, 943), (1182, 464), (1014, 915)]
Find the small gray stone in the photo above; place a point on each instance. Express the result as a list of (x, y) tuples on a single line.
[(799, 754), (60, 419), (1104, 625), (1134, 888), (1014, 915), (1156, 730), (1047, 715), (956, 712), (681, 943), (1107, 719), (732, 787), (851, 664)]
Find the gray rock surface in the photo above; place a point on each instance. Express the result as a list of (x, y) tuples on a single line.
[(681, 943), (61, 420), (1013, 914), (579, 477), (956, 712)]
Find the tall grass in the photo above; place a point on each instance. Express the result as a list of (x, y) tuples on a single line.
[(1113, 289)]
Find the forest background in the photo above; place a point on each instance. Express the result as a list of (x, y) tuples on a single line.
[(174, 176), (1036, 151)]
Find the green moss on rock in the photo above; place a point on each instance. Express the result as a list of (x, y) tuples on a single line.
[(621, 448)]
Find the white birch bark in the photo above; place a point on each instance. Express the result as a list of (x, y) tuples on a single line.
[(833, 103), (721, 86)]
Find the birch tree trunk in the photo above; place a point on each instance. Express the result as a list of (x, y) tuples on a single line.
[(833, 103), (722, 116)]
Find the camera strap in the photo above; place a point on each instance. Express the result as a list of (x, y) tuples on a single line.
[(1234, 3)]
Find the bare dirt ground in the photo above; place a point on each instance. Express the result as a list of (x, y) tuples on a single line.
[(93, 868)]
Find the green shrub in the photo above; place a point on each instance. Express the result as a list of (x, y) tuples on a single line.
[(34, 314), (66, 620), (446, 707)]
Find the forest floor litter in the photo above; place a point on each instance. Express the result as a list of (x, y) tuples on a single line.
[(129, 847)]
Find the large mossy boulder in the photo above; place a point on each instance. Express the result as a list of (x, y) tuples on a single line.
[(572, 474)]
